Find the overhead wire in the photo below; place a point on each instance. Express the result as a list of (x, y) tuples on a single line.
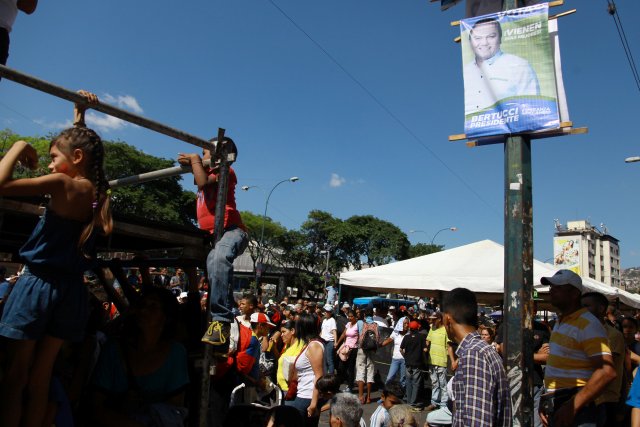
[(613, 11), (380, 104)]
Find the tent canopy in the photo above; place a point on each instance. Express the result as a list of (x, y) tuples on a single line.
[(477, 266)]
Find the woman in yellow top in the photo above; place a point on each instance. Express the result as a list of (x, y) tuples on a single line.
[(292, 348)]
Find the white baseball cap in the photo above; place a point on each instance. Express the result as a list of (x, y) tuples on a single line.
[(346, 305), (328, 307), (261, 318), (564, 277)]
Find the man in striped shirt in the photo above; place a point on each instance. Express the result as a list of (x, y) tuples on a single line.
[(579, 365)]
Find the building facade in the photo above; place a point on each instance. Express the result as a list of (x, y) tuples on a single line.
[(587, 251)]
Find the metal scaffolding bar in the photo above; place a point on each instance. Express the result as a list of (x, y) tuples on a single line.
[(153, 175), (69, 95)]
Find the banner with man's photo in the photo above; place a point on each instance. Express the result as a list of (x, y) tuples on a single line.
[(509, 75)]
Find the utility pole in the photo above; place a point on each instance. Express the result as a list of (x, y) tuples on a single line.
[(518, 274)]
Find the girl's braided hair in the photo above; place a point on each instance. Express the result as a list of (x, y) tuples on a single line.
[(91, 145)]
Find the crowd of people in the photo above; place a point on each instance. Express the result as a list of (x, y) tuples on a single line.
[(72, 357)]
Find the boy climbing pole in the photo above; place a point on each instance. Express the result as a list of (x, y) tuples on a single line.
[(233, 242)]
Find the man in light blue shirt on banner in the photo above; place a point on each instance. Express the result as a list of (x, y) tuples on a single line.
[(494, 75)]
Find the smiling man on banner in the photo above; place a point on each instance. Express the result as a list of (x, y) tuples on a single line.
[(509, 75), (494, 75)]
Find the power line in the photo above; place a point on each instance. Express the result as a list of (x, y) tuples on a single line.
[(613, 11), (380, 103), (24, 116)]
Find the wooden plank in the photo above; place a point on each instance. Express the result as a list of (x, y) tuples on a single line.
[(539, 135), (559, 15), (21, 207), (177, 239), (461, 136)]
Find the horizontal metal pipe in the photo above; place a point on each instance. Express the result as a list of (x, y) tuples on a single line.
[(69, 95), (158, 174)]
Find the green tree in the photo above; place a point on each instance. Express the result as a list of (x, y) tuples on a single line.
[(161, 200), (324, 232), (378, 241), (272, 233), (420, 249)]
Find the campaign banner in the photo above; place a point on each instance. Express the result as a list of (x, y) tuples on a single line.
[(509, 74), (566, 253)]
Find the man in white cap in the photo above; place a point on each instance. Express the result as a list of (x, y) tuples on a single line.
[(329, 333), (580, 364)]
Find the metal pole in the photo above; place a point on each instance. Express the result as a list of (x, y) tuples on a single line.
[(151, 176), (439, 231), (218, 230), (518, 277), (518, 273), (69, 95)]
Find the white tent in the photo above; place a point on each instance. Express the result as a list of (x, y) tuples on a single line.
[(477, 266)]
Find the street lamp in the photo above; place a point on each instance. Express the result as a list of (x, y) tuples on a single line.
[(248, 187), (326, 269), (264, 219), (632, 159), (446, 228)]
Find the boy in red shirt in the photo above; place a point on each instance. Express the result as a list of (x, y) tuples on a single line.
[(231, 245)]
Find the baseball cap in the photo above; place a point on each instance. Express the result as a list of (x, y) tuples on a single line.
[(403, 308), (414, 325), (564, 277), (435, 315), (328, 307), (346, 305), (261, 318), (392, 307)]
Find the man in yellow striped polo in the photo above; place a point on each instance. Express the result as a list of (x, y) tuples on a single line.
[(580, 365)]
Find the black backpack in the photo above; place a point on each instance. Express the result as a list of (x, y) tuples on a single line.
[(369, 340)]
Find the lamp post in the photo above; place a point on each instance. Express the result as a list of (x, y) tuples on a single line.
[(632, 159), (439, 231), (264, 219), (326, 268)]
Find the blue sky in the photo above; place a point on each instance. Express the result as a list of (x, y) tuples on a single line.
[(292, 111)]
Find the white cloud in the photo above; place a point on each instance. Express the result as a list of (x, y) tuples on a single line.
[(99, 121), (106, 123), (53, 125), (103, 122), (123, 101), (336, 180)]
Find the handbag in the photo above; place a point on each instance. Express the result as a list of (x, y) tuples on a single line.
[(292, 391), (343, 352)]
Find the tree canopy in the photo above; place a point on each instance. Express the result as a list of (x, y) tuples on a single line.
[(160, 200)]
